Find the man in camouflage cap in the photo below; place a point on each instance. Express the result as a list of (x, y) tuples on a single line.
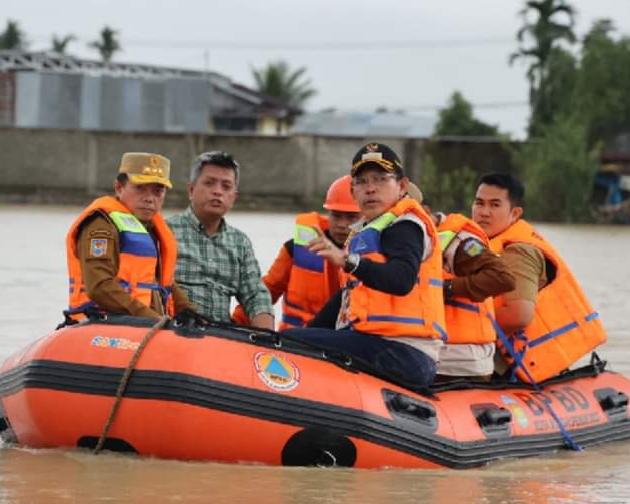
[(121, 254)]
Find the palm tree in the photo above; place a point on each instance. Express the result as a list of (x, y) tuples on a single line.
[(107, 45), (545, 34), (59, 45), (13, 37), (279, 81)]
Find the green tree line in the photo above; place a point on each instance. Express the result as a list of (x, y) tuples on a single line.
[(579, 99)]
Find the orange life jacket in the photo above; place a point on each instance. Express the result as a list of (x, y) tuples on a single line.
[(309, 287), (467, 321), (419, 313), (564, 328), (138, 256)]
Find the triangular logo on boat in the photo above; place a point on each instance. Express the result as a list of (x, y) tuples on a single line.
[(278, 373), (276, 368)]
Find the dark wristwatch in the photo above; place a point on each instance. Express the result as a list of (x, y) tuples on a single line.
[(448, 289), (351, 263)]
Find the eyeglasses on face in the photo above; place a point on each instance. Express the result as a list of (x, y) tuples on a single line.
[(377, 180), (217, 157)]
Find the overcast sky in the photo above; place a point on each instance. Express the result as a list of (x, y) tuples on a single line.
[(360, 54)]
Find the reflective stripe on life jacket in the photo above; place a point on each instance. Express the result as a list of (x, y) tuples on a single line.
[(138, 256), (420, 313), (309, 287), (467, 321), (564, 328)]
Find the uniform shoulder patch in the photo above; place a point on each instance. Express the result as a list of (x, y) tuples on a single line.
[(473, 247), (98, 247)]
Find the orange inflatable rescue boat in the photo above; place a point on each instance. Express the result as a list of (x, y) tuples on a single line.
[(235, 394)]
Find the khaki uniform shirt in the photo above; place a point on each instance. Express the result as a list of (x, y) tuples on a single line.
[(99, 274), (527, 264)]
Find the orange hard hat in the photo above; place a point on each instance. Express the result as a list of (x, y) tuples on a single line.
[(339, 197)]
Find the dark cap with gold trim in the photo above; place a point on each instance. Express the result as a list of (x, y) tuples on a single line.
[(146, 168), (379, 155)]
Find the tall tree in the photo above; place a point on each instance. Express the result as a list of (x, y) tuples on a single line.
[(556, 94), (277, 79), (457, 119), (537, 40), (107, 45), (59, 45), (13, 37), (601, 95)]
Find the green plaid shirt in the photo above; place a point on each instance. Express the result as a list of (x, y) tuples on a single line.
[(212, 269)]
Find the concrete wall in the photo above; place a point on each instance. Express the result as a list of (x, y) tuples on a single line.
[(289, 172), (275, 170)]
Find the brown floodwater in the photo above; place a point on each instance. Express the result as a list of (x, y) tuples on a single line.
[(33, 289)]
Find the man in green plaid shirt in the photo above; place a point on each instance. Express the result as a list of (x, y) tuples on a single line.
[(216, 261)]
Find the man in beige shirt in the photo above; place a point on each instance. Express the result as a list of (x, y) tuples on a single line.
[(547, 321), (497, 206)]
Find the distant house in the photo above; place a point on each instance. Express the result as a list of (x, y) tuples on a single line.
[(365, 124), (49, 90), (611, 189), (617, 150)]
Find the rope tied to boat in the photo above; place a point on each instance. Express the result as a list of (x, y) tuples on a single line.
[(125, 379)]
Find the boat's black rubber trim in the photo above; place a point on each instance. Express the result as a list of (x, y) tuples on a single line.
[(401, 434), (261, 338), (271, 339)]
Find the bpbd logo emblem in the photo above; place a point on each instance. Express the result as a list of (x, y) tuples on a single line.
[(278, 373)]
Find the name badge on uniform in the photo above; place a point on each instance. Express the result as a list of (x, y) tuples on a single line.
[(98, 247)]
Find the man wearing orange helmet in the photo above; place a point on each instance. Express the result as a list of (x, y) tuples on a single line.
[(306, 280)]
